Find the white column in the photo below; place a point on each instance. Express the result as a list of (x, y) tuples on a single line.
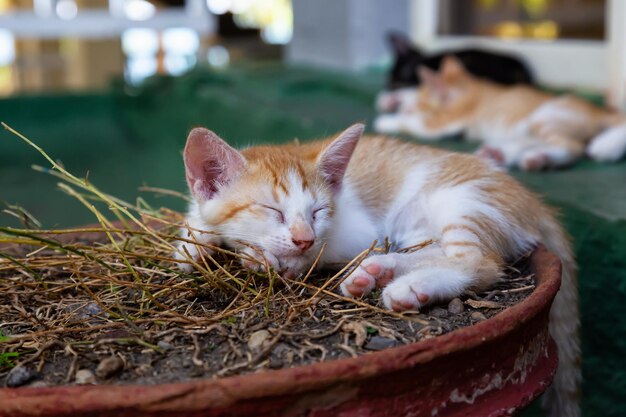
[(424, 15), (616, 36), (344, 34)]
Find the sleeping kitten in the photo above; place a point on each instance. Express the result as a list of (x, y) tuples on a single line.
[(520, 126), (280, 204), (403, 75)]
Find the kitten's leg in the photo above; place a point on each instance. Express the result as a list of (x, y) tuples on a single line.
[(389, 123), (458, 262), (413, 124), (494, 156), (441, 278), (185, 250), (396, 100), (553, 152), (609, 146), (380, 270), (256, 261)]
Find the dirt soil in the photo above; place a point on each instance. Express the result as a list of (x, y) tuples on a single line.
[(61, 335)]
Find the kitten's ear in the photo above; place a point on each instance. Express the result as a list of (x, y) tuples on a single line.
[(400, 43), (209, 163), (437, 86), (452, 67), (428, 76), (333, 161)]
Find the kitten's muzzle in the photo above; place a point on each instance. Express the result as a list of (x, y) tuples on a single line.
[(303, 245), (302, 236)]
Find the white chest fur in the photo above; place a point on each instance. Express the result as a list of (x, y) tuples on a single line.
[(353, 229)]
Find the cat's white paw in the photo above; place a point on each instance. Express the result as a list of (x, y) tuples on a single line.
[(195, 252), (493, 156), (609, 146), (294, 266), (406, 294), (374, 271), (257, 262), (388, 123), (534, 161), (387, 102)]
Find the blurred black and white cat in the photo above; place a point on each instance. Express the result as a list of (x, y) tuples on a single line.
[(404, 75)]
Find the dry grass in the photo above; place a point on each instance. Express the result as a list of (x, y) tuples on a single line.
[(121, 274), (114, 289)]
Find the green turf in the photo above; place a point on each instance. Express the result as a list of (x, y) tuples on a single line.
[(128, 137)]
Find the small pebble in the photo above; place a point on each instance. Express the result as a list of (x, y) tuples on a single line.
[(85, 312), (186, 362), (438, 312), (84, 376), (109, 366), (275, 363), (21, 375), (143, 369), (38, 384), (380, 343), (456, 306), (258, 339), (164, 345), (477, 316)]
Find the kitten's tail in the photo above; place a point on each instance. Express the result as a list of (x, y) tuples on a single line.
[(610, 144), (562, 398)]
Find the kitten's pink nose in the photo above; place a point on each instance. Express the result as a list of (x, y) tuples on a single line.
[(302, 235), (303, 245)]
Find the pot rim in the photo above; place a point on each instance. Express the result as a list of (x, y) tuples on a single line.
[(225, 391)]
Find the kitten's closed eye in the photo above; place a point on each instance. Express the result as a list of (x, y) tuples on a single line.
[(279, 214), (318, 211)]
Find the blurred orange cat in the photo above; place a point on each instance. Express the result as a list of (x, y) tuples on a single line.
[(518, 126)]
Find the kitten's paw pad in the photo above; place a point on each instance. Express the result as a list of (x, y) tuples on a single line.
[(401, 296), (535, 161), (387, 102), (372, 272), (492, 155)]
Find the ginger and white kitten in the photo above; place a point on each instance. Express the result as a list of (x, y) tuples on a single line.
[(519, 126), (280, 204)]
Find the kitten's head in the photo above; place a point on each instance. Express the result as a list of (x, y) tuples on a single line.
[(406, 60), (278, 200), (450, 93)]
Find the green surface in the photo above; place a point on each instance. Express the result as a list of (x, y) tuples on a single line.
[(128, 137)]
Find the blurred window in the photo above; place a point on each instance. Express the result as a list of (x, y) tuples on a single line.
[(181, 47), (529, 19)]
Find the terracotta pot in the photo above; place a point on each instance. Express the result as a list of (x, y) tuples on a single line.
[(493, 368)]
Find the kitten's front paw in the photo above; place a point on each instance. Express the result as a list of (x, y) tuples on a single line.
[(605, 150), (406, 294), (258, 262), (534, 161), (195, 252), (294, 267), (388, 123), (374, 271), (495, 157), (387, 102)]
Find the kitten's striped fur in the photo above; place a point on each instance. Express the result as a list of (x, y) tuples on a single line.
[(284, 202)]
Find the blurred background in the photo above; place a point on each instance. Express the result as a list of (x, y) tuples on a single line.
[(111, 88)]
